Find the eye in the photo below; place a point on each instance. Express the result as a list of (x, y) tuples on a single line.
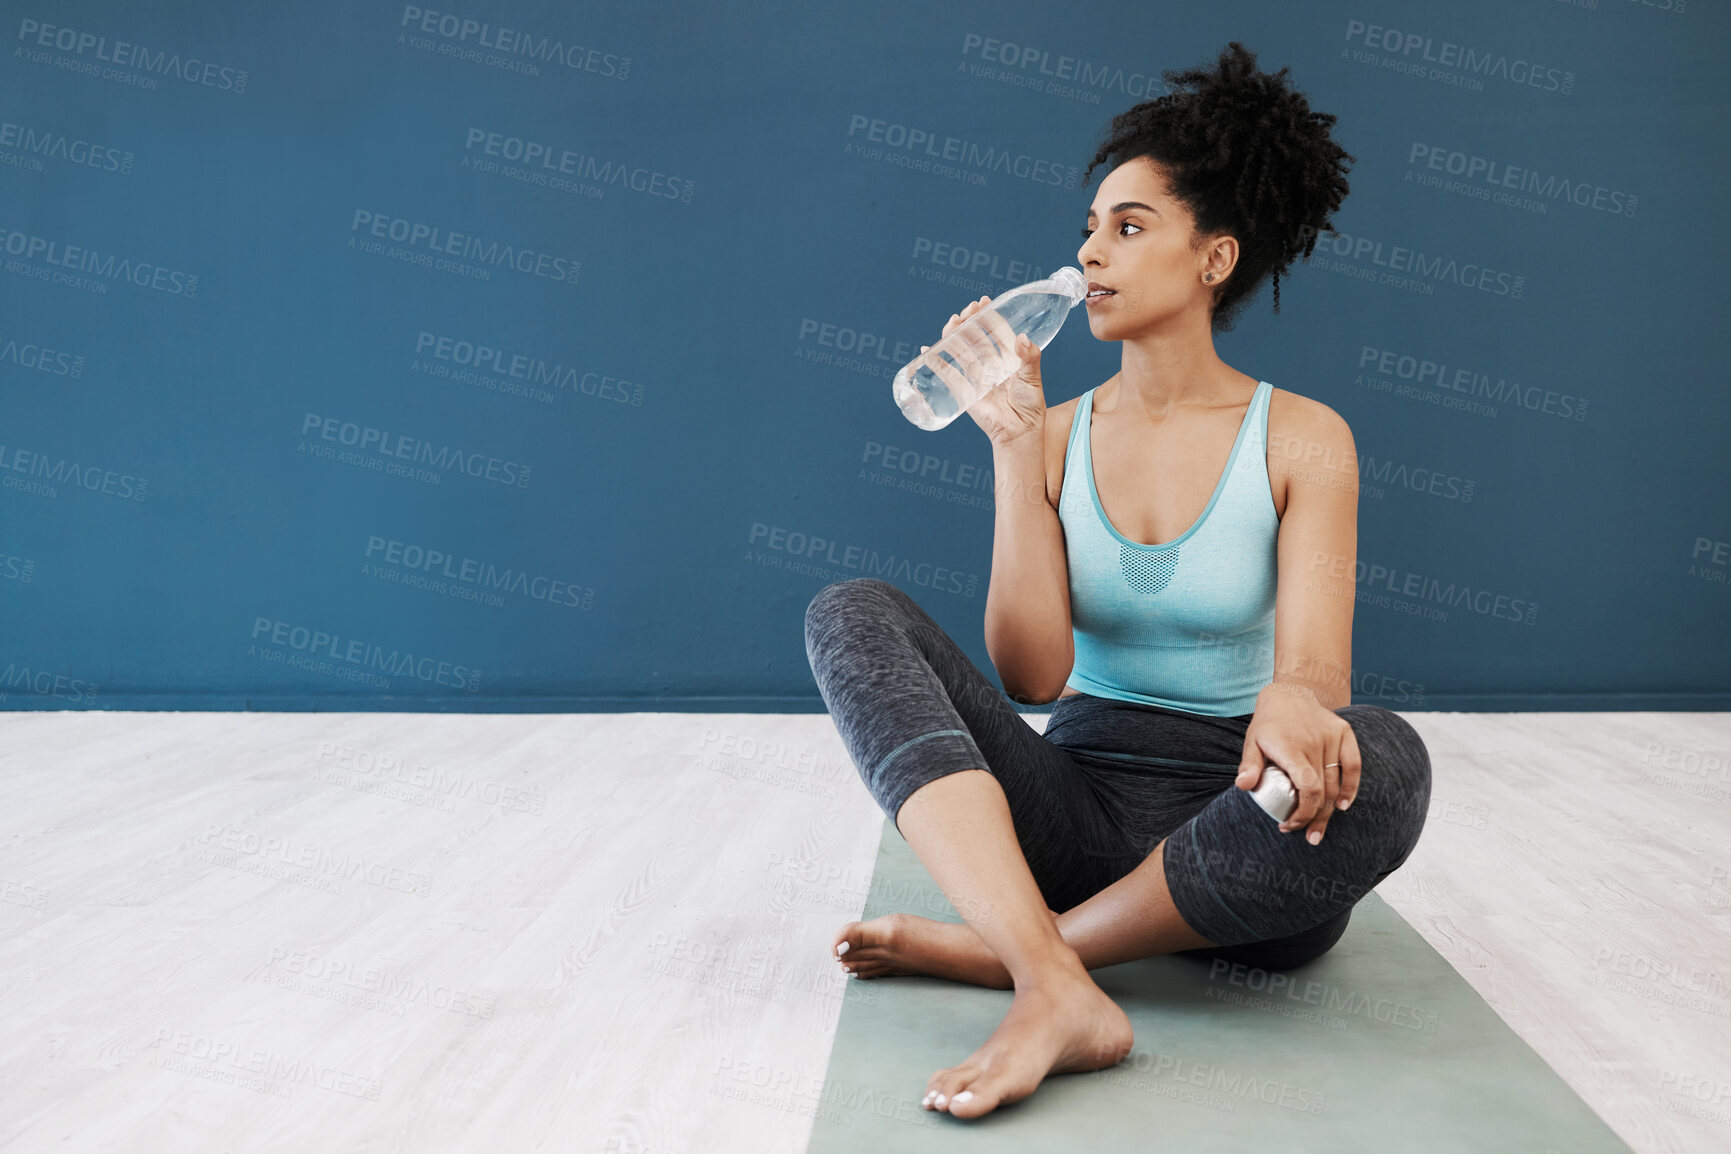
[(1088, 232)]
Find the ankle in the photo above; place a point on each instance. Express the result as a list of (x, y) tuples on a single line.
[(1052, 967)]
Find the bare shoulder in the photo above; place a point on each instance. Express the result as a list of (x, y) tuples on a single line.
[(1294, 414), (1305, 435), (1059, 419)]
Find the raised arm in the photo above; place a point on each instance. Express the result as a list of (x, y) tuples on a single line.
[(1028, 601)]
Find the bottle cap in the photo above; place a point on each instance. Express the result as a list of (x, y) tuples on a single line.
[(1070, 281)]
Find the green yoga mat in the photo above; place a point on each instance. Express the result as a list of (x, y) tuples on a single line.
[(1377, 1045)]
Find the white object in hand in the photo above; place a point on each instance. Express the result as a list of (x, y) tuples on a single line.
[(1275, 794), (973, 360)]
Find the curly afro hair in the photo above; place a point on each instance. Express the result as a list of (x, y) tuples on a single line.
[(1247, 156)]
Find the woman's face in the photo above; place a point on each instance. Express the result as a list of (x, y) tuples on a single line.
[(1138, 243)]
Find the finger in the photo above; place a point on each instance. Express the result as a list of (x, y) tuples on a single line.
[(1330, 790), (1350, 766), (999, 328), (957, 318), (971, 353), (1027, 352), (1250, 764), (1030, 353), (966, 352), (1307, 780)]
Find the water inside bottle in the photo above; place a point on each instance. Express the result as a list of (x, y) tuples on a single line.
[(930, 401)]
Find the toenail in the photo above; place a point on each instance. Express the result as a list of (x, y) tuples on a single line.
[(841, 949), (926, 1101), (939, 1100), (962, 1097)]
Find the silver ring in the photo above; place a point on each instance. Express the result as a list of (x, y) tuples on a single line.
[(1331, 765)]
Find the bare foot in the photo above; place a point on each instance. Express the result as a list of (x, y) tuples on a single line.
[(902, 944), (1065, 1024)]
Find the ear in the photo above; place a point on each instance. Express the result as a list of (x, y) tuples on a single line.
[(1222, 258)]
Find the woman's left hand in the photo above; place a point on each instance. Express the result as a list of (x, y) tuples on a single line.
[(1312, 743)]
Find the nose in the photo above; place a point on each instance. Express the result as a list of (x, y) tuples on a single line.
[(1082, 257)]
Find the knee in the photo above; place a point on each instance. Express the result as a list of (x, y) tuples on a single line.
[(1390, 748), (838, 595), (840, 600)]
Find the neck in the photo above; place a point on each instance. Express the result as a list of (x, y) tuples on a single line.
[(1173, 369)]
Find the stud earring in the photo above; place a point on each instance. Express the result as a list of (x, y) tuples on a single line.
[(1210, 276)]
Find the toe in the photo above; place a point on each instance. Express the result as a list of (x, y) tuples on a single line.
[(969, 1103), (945, 1083), (846, 938)]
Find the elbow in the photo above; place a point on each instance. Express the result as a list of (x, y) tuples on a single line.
[(1022, 695)]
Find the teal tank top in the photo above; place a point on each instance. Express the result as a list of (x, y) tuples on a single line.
[(1188, 624)]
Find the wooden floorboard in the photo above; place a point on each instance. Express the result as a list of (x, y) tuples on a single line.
[(608, 932)]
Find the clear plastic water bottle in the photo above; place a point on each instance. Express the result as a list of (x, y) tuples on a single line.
[(932, 400)]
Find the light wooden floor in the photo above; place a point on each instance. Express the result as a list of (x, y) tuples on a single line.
[(608, 932)]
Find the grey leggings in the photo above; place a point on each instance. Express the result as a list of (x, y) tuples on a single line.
[(1108, 780)]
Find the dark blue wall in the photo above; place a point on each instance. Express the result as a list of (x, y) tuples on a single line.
[(232, 243)]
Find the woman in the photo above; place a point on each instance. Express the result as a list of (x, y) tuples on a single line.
[(1193, 621)]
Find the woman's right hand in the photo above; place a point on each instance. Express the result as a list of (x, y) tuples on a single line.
[(1016, 408)]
